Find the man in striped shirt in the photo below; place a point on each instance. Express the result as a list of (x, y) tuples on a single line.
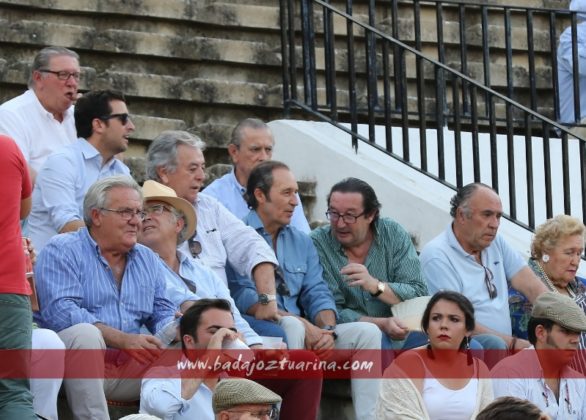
[(97, 287)]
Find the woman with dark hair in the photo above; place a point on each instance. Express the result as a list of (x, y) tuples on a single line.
[(442, 381)]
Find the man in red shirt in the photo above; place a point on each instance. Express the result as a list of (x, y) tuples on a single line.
[(15, 310)]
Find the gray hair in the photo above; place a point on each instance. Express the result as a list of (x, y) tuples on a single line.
[(463, 196), (252, 123), (97, 195), (163, 151), (43, 57)]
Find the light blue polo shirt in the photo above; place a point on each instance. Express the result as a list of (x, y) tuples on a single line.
[(446, 266)]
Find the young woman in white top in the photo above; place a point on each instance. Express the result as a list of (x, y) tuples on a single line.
[(442, 381)]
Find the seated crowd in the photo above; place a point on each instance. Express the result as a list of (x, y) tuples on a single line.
[(127, 273)]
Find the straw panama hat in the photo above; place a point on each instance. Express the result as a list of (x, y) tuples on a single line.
[(154, 191)]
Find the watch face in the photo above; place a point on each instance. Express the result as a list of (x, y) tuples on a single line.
[(263, 299)]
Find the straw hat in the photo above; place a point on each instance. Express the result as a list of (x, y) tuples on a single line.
[(154, 191)]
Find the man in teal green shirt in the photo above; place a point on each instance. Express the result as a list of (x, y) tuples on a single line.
[(369, 262)]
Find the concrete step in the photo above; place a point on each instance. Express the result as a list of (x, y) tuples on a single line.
[(215, 13), (118, 41)]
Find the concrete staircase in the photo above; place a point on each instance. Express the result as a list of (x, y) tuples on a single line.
[(184, 64)]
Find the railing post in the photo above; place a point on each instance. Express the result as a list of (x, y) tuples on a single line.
[(285, 62), (309, 73)]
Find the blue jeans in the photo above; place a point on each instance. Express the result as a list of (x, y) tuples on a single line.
[(16, 401), (266, 328)]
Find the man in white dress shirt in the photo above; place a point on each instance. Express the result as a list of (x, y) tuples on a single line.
[(175, 159)]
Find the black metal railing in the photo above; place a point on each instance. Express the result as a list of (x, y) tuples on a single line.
[(342, 66)]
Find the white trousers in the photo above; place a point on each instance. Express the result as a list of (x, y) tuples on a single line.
[(351, 336), (46, 390)]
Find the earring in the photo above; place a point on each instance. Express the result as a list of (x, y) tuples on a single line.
[(469, 358), (545, 258)]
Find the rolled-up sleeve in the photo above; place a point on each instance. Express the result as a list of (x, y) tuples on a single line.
[(162, 398)]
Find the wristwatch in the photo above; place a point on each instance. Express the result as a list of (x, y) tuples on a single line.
[(331, 328), (264, 299), (380, 288)]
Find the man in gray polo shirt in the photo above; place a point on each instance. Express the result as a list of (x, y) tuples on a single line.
[(471, 258)]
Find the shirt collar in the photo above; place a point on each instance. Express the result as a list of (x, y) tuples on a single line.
[(453, 241), (253, 220), (234, 180), (85, 234)]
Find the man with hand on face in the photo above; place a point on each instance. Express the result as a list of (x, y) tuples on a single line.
[(41, 119), (208, 324), (175, 159), (369, 262), (97, 287), (302, 294), (469, 257), (251, 143), (103, 127), (541, 373)]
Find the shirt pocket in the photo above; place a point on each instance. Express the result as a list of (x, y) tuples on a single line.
[(294, 276)]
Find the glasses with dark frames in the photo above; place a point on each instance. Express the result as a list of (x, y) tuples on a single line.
[(349, 219), (63, 75), (123, 118), (488, 281)]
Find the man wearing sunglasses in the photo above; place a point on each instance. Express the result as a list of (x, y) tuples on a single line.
[(471, 258), (103, 127), (41, 119), (302, 293)]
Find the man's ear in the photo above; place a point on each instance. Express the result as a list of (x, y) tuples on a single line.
[(233, 152), (188, 341), (260, 196), (180, 224), (96, 217), (541, 333), (162, 173)]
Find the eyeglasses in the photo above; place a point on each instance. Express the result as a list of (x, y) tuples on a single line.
[(157, 209), (122, 117), (349, 219), (63, 75), (488, 281), (127, 214), (272, 414), (282, 287), (194, 247)]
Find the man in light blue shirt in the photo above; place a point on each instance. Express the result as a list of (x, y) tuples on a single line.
[(251, 143), (302, 293), (566, 67), (169, 221), (97, 287), (103, 127), (470, 257)]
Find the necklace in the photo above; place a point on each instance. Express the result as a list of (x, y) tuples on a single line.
[(550, 283)]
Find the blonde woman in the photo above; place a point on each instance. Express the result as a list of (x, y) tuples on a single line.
[(556, 251)]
